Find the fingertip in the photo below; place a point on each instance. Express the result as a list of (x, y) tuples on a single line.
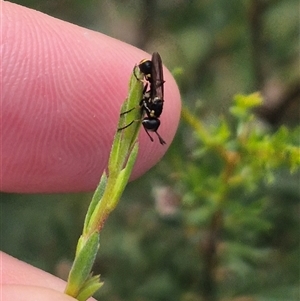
[(62, 89)]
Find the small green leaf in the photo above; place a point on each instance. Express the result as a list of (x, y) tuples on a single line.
[(248, 101), (125, 139), (82, 265), (96, 197), (90, 287)]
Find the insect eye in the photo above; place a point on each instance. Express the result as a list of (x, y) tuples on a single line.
[(146, 67)]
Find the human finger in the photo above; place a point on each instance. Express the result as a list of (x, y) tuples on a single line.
[(62, 88)]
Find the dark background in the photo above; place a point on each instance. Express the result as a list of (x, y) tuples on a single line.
[(215, 49)]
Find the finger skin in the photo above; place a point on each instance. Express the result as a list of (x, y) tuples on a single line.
[(21, 281), (30, 293), (61, 91)]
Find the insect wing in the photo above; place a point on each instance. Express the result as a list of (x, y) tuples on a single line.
[(157, 77)]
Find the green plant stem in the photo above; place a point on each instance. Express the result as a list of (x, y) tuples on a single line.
[(81, 284)]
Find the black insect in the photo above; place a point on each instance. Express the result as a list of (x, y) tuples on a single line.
[(151, 105)]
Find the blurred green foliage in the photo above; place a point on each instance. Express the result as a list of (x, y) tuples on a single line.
[(223, 181), (218, 218)]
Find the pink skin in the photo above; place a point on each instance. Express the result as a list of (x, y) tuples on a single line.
[(21, 282), (61, 90)]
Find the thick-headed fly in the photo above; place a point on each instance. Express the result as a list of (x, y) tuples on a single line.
[(151, 105)]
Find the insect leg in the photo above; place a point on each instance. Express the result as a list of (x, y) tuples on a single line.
[(123, 113), (148, 134), (127, 125), (161, 140)]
